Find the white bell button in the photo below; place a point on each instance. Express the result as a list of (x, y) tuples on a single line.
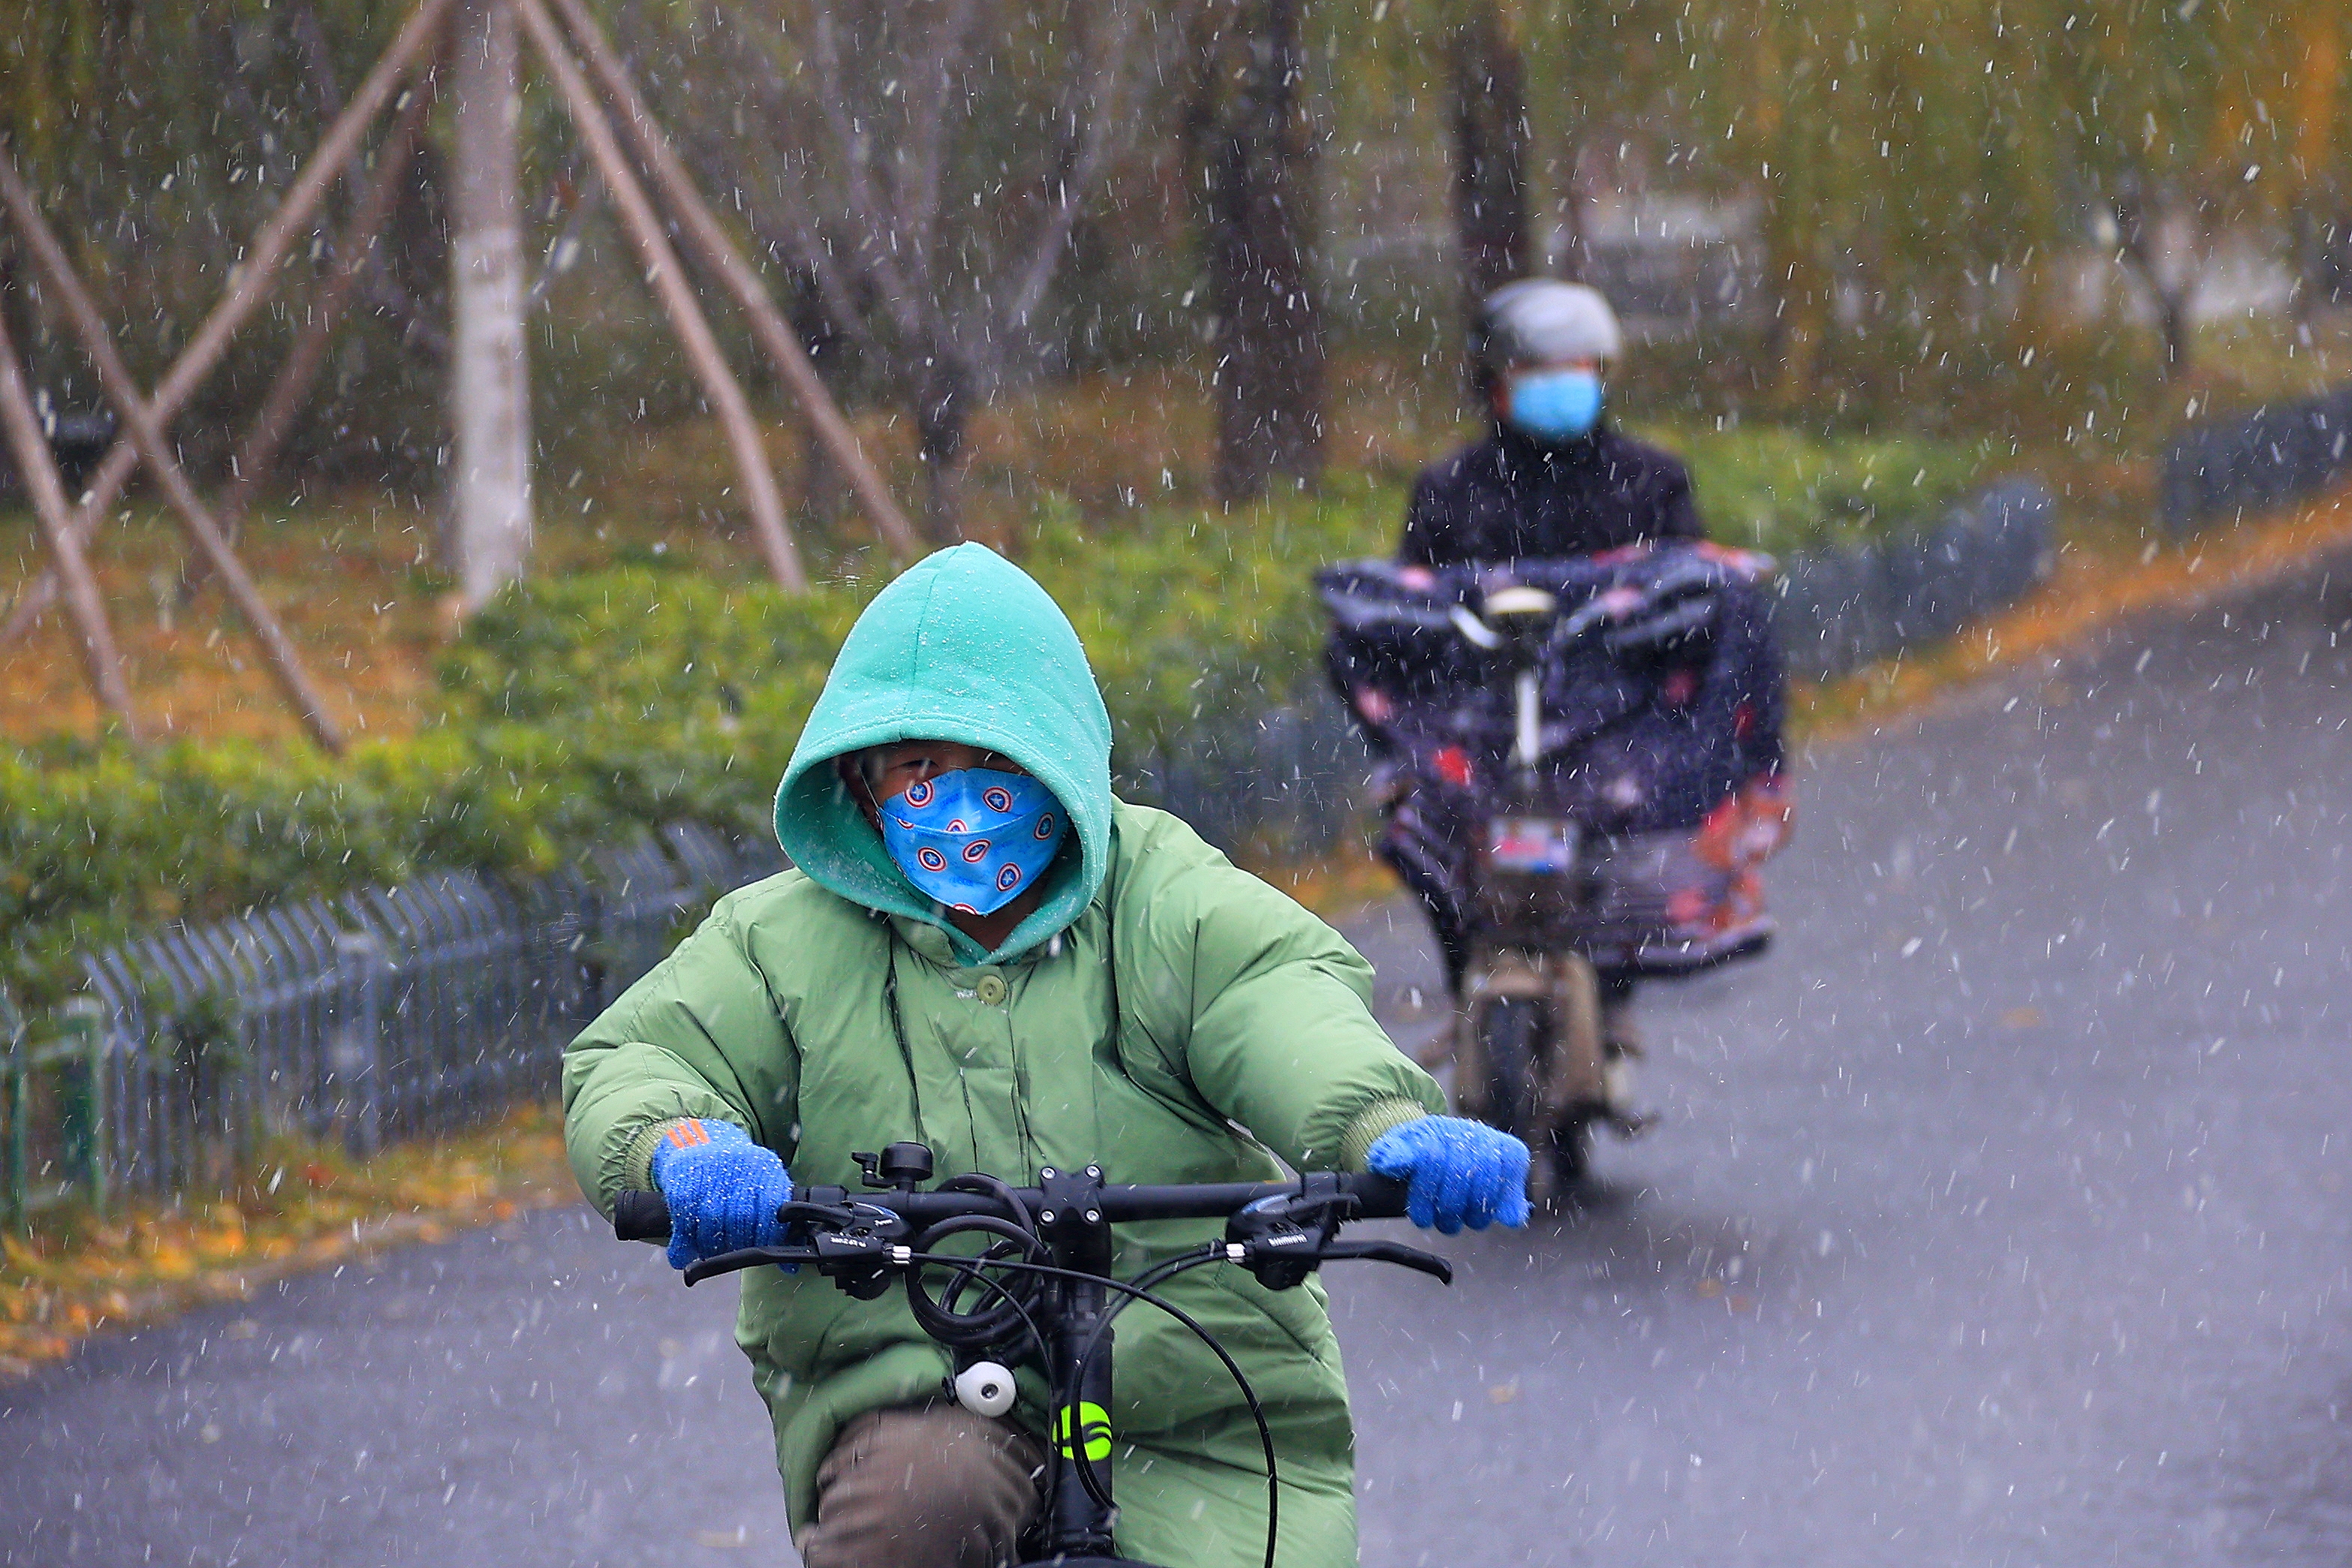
[(984, 1388)]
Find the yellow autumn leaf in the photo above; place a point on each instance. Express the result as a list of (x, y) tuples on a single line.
[(59, 1285), (219, 1245)]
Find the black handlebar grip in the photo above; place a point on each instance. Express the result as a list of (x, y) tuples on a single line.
[(640, 1217), (1381, 1197)]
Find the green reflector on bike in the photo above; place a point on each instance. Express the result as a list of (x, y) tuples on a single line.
[(1094, 1421)]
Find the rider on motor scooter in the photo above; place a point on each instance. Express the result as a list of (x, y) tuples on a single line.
[(1554, 481)]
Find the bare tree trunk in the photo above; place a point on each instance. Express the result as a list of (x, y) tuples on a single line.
[(1800, 283), (825, 492), (1490, 153), (1259, 178), (489, 381), (2134, 227), (37, 466), (1566, 251), (1800, 324), (942, 414)]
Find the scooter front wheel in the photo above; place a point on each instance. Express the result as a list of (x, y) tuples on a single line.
[(1571, 1151), (1511, 1042)]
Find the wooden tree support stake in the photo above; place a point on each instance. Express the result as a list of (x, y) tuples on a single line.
[(38, 467), (147, 435), (717, 252), (248, 286), (669, 281)]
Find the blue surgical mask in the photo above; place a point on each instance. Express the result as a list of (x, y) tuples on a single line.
[(1555, 405), (975, 839)]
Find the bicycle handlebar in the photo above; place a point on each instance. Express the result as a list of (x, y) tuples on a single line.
[(1041, 1292), (644, 1216)]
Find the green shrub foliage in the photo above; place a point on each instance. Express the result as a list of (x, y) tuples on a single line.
[(580, 710), (95, 844), (1775, 489)]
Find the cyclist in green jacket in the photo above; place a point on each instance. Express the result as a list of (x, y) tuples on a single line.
[(981, 949)]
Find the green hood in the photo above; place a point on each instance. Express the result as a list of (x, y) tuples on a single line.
[(964, 646)]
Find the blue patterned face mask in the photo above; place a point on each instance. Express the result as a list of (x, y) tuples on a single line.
[(1555, 405), (975, 839)]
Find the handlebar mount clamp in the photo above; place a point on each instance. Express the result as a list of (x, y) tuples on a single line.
[(1072, 1220)]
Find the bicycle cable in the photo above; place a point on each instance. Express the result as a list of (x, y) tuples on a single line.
[(941, 1316), (1170, 1268)]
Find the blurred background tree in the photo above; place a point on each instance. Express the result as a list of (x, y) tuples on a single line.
[(1983, 215), (1487, 98), (1254, 145), (919, 167), (161, 133)]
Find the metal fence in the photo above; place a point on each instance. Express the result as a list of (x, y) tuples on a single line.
[(2220, 471), (1838, 609), (389, 1014), (1289, 781)]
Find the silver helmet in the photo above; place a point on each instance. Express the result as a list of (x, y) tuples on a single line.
[(1541, 321)]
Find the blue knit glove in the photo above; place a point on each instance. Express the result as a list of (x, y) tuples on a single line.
[(1461, 1172), (723, 1189)]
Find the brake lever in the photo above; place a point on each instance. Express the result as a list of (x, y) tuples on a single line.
[(703, 1269), (1395, 1252)]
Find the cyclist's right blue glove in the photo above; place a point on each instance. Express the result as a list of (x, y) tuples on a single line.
[(723, 1189), (1460, 1172)]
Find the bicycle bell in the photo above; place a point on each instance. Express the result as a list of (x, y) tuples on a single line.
[(985, 1388)]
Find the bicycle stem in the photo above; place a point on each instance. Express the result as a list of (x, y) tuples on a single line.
[(1526, 745), (1078, 1522), (1071, 1218)]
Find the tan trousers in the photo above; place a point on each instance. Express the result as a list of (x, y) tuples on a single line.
[(928, 1486)]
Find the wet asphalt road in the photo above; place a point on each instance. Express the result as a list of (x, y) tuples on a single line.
[(1997, 1218)]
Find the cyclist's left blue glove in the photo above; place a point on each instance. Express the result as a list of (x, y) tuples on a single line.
[(723, 1189), (1459, 1172)]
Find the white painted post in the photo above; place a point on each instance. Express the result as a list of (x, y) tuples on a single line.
[(490, 517)]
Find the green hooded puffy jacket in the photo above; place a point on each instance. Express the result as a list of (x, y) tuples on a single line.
[(1162, 1014)]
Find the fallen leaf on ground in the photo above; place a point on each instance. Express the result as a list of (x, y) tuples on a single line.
[(75, 1274)]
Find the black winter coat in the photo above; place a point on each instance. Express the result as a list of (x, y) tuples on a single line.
[(1508, 497)]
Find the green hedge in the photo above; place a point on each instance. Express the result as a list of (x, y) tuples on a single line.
[(580, 710), (97, 843), (679, 692), (1774, 489)]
